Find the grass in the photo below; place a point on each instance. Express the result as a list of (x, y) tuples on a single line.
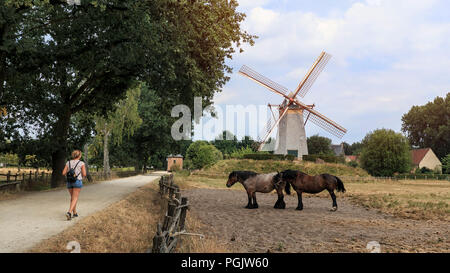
[(224, 167), (414, 199), (127, 226)]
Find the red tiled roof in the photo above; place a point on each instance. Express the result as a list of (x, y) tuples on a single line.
[(418, 155), (352, 157)]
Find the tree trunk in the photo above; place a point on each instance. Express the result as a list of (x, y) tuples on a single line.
[(106, 168), (59, 154), (86, 161)]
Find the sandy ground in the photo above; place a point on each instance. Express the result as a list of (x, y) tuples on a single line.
[(36, 216), (315, 229)]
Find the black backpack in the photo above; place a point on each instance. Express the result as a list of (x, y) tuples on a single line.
[(71, 176)]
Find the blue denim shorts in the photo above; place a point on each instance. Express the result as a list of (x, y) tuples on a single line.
[(76, 184)]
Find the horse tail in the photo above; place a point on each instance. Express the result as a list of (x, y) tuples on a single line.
[(340, 185), (287, 188)]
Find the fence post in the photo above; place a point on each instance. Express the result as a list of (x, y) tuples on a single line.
[(8, 176), (184, 201)]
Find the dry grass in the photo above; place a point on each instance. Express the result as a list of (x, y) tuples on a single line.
[(194, 244), (126, 226), (224, 167), (417, 199)]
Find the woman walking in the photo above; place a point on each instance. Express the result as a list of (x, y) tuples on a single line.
[(76, 169)]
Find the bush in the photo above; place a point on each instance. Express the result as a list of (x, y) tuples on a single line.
[(424, 170), (266, 156), (201, 154), (353, 164), (446, 164), (385, 152), (239, 154), (326, 158)]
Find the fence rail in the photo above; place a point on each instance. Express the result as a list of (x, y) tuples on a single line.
[(168, 233), (17, 181)]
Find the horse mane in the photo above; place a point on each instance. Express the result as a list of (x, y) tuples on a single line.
[(242, 175), (291, 174)]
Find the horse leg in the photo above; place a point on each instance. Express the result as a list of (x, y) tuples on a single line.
[(249, 204), (333, 197), (300, 202), (280, 204), (255, 204)]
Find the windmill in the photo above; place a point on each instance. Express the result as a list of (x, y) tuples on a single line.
[(291, 112)]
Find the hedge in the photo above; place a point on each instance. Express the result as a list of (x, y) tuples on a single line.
[(269, 157), (326, 158)]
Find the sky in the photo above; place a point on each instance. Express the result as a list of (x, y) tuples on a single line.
[(387, 57)]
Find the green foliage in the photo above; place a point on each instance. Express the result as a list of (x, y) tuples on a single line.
[(353, 149), (428, 126), (330, 158), (385, 152), (353, 164), (446, 164), (424, 170), (56, 75), (319, 145), (9, 159), (228, 144), (201, 154), (267, 156), (239, 154)]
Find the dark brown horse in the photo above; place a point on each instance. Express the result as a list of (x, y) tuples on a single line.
[(254, 182), (301, 182)]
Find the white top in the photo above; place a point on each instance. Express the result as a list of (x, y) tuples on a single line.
[(77, 169)]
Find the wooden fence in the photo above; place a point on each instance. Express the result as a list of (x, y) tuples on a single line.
[(168, 233), (24, 181)]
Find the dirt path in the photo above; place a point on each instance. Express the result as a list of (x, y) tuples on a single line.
[(315, 229), (36, 216)]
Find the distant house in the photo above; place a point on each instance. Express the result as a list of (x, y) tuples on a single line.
[(425, 158), (338, 149), (350, 158), (174, 162)]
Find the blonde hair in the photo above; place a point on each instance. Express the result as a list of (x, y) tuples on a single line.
[(76, 154)]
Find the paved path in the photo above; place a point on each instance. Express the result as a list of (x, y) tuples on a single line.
[(36, 216)]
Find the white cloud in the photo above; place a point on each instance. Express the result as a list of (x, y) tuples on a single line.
[(387, 56), (252, 3)]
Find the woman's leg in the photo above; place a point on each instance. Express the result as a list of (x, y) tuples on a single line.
[(71, 197), (73, 203)]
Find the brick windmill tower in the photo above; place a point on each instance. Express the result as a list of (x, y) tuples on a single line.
[(293, 114)]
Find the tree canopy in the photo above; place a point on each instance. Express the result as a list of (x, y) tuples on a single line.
[(319, 145), (60, 63), (428, 126), (385, 152)]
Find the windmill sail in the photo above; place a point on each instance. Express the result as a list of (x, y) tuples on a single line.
[(322, 121), (266, 82), (312, 74)]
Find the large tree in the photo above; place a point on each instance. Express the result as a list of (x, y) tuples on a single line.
[(81, 59), (428, 126), (319, 145), (385, 152)]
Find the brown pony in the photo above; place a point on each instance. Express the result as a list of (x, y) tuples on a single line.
[(254, 182), (301, 182)]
